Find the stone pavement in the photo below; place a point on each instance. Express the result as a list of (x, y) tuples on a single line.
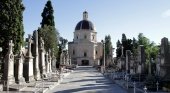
[(87, 80), (37, 86), (122, 83)]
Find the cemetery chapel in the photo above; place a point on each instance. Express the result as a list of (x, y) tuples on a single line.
[(84, 49)]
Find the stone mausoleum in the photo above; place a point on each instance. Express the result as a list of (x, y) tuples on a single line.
[(84, 49)]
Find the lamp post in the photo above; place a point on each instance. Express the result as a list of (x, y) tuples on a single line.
[(104, 56), (104, 64), (157, 85), (113, 54)]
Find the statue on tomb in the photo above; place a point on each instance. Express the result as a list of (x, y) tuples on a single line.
[(20, 52), (41, 42), (11, 46), (29, 40)]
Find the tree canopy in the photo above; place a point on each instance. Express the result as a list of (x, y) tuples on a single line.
[(11, 24), (118, 50), (151, 48), (50, 37), (108, 45), (126, 43), (48, 31), (47, 15)]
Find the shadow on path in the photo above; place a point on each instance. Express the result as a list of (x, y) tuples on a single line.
[(85, 88), (87, 80)]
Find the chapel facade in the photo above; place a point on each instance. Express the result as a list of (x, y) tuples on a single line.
[(84, 50)]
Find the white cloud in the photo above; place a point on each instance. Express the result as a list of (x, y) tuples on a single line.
[(166, 13)]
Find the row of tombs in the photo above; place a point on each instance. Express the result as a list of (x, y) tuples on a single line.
[(137, 64), (32, 63)]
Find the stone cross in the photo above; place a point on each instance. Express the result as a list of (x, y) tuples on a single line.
[(28, 65), (42, 59), (30, 41), (8, 75)]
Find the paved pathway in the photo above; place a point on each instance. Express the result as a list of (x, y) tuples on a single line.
[(86, 80)]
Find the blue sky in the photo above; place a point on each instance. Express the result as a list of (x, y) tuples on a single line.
[(110, 17)]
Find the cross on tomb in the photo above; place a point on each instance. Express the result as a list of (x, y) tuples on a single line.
[(11, 44), (30, 41), (41, 42)]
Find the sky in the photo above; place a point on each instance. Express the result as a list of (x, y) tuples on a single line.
[(110, 17)]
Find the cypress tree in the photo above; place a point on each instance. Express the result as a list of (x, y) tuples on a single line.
[(108, 45), (48, 31), (47, 15), (118, 49), (11, 24)]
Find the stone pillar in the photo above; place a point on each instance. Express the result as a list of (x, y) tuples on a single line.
[(128, 55), (141, 60), (42, 58), (158, 64), (8, 75), (123, 64), (36, 57), (53, 62), (67, 58), (47, 62), (165, 59), (122, 60), (122, 48), (28, 65), (19, 67), (49, 59), (70, 61)]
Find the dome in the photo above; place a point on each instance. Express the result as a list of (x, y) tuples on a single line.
[(85, 24)]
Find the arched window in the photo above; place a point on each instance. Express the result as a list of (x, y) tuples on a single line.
[(92, 37), (96, 52)]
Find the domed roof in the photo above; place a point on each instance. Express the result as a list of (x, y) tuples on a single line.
[(85, 24)]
